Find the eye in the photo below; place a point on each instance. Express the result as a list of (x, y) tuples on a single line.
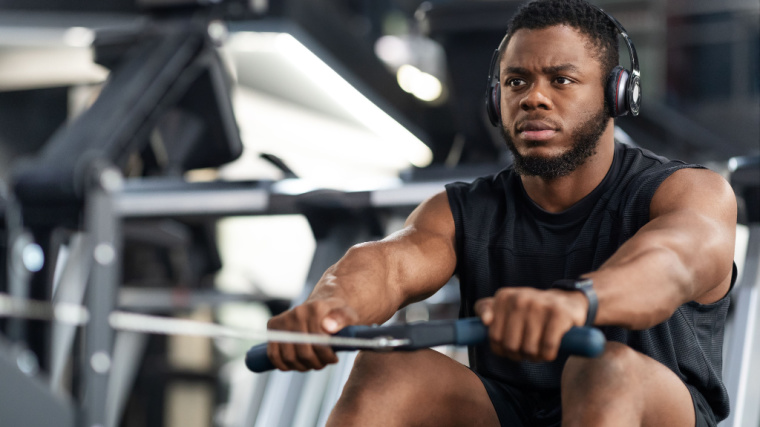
[(563, 80), (515, 82)]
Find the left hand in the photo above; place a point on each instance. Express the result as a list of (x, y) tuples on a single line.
[(529, 323)]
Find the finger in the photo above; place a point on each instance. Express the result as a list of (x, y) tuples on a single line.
[(290, 357), (273, 349), (552, 337), (307, 357), (273, 353), (306, 318), (499, 326), (325, 354), (495, 325), (484, 309), (338, 318), (313, 321), (512, 331), (530, 347), (510, 322)]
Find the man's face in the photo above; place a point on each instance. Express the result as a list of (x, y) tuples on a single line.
[(552, 100)]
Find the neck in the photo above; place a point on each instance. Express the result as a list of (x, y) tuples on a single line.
[(559, 194)]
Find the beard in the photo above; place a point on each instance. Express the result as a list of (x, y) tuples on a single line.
[(585, 139)]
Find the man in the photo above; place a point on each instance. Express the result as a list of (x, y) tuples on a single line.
[(654, 237)]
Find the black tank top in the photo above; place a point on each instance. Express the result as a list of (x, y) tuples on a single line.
[(504, 239)]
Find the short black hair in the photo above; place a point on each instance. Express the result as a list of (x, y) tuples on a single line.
[(579, 14)]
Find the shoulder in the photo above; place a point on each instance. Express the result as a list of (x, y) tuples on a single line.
[(689, 187), (432, 214), (643, 172)]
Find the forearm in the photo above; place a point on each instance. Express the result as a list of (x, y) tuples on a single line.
[(375, 279), (378, 278), (362, 279), (659, 270), (636, 297)]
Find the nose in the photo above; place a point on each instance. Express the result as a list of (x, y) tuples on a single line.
[(536, 97)]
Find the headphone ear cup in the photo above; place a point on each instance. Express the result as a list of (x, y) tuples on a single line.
[(493, 91), (615, 93), (493, 104)]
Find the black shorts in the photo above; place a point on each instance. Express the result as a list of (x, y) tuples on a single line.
[(516, 408)]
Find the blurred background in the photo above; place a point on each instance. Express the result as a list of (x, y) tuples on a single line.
[(352, 96)]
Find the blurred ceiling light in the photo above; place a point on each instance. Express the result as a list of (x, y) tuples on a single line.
[(326, 151), (419, 64), (79, 37), (422, 85), (396, 137), (393, 51)]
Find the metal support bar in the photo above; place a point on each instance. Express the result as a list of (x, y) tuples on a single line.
[(70, 289), (127, 356), (742, 367), (103, 227)]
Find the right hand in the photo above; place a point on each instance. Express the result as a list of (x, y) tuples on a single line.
[(321, 316)]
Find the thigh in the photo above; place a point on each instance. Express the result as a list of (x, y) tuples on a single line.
[(668, 401), (421, 388), (624, 387)]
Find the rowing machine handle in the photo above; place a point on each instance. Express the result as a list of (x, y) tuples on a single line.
[(585, 341)]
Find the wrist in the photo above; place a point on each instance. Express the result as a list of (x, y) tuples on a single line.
[(586, 287)]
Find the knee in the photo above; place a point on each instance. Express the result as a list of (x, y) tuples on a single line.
[(603, 390), (378, 367), (374, 375), (378, 381), (614, 367)]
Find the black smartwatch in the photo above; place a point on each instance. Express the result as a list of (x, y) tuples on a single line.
[(587, 287)]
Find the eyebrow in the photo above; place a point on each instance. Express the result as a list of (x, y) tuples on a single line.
[(545, 70)]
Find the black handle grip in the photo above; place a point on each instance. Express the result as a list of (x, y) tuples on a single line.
[(585, 341), (578, 341), (256, 359)]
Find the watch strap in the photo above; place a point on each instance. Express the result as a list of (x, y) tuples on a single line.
[(587, 287)]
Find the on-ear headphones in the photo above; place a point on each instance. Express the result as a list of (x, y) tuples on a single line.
[(622, 89)]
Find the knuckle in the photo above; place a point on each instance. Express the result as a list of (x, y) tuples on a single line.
[(549, 351), (325, 354), (300, 312), (289, 357), (553, 310), (274, 322), (494, 336), (288, 360), (305, 354), (510, 346), (531, 350), (504, 295), (523, 302), (497, 349)]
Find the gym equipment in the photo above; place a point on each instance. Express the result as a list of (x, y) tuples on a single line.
[(741, 366), (585, 341)]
